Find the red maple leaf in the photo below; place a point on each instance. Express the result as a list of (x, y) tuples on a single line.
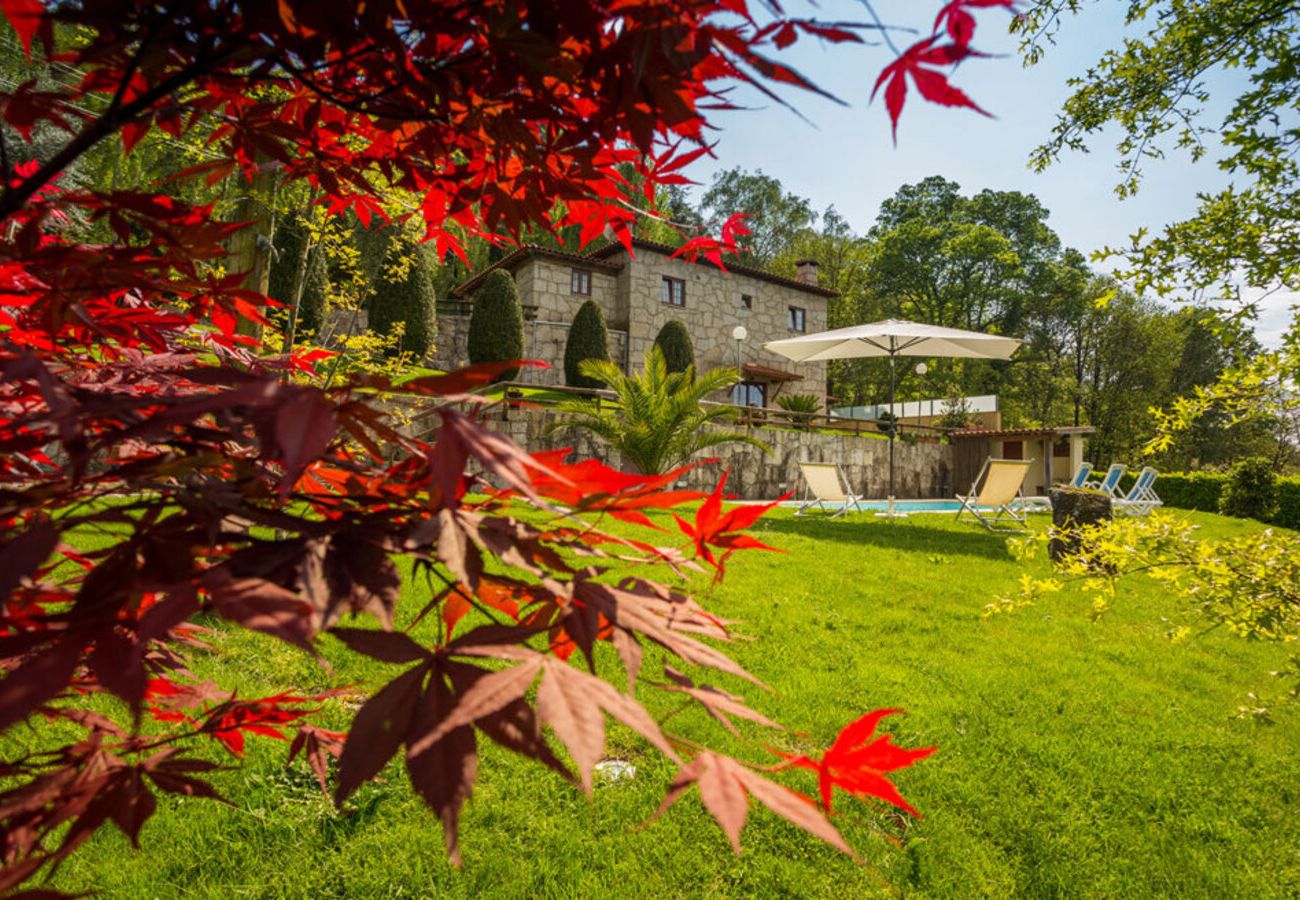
[(918, 61), (858, 761), (956, 19), (713, 528)]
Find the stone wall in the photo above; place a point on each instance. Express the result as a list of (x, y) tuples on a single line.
[(713, 309), (923, 470), (546, 284), (543, 339)]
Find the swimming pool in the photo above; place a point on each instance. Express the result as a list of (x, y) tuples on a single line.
[(909, 506)]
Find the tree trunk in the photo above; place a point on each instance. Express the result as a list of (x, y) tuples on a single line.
[(250, 247)]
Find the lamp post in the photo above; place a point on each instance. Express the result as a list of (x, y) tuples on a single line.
[(739, 334), (921, 369)]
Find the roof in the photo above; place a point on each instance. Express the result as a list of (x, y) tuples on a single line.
[(1058, 431), (526, 251), (599, 259), (757, 371), (736, 268)]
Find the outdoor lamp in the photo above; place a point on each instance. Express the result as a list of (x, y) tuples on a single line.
[(922, 368), (739, 334)]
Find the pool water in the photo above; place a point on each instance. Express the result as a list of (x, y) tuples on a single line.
[(910, 506)]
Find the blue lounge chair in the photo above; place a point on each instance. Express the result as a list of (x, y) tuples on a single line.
[(1141, 498), (1110, 481), (1080, 478)]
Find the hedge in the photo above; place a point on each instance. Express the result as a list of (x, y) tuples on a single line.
[(1203, 490)]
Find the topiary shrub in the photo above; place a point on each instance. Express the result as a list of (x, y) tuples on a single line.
[(588, 339), (674, 342), (1251, 491), (403, 293), (496, 324), (290, 238)]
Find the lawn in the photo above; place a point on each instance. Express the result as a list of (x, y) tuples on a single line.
[(1076, 757)]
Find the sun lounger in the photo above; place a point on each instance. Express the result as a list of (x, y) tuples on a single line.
[(1110, 482), (1141, 498), (1080, 478), (996, 492), (828, 485)]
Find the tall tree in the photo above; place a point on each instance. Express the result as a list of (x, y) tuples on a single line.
[(774, 216)]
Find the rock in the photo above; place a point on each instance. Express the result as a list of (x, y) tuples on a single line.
[(1072, 507)]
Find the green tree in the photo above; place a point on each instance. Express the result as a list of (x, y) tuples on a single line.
[(1163, 91), (403, 296), (775, 217), (660, 420), (674, 342), (496, 323), (588, 339), (299, 273), (987, 262)]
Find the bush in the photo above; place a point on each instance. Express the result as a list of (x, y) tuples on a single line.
[(283, 282), (1185, 490), (674, 342), (1251, 491), (403, 293), (496, 324), (800, 403), (587, 339), (1288, 503)]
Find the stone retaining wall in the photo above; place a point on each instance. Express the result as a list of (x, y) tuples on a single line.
[(921, 470)]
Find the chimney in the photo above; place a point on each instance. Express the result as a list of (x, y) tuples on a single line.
[(806, 271)]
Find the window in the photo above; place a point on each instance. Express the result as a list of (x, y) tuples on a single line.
[(674, 291), (580, 281), (746, 301), (795, 319), (749, 393)]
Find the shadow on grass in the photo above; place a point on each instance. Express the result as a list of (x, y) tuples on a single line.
[(910, 534)]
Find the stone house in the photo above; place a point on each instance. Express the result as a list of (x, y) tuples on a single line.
[(639, 293)]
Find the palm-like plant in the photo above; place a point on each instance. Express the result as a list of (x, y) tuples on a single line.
[(658, 421)]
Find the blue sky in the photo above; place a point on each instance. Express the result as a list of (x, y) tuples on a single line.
[(846, 157)]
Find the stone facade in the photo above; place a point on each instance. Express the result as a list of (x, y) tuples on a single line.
[(630, 290), (714, 308), (923, 470)]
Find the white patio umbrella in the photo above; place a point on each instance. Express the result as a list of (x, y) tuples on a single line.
[(894, 338)]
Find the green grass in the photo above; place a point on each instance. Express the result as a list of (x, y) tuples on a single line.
[(1076, 757)]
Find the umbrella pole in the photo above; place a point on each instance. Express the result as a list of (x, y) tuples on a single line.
[(893, 433)]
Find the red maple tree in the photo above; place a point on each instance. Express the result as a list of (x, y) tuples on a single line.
[(130, 405)]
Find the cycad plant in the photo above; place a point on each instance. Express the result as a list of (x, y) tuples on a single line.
[(657, 422)]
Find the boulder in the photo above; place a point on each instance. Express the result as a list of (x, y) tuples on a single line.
[(1072, 507)]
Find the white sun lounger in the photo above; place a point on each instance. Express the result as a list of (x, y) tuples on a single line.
[(997, 490), (1141, 498), (1110, 482), (827, 484)]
